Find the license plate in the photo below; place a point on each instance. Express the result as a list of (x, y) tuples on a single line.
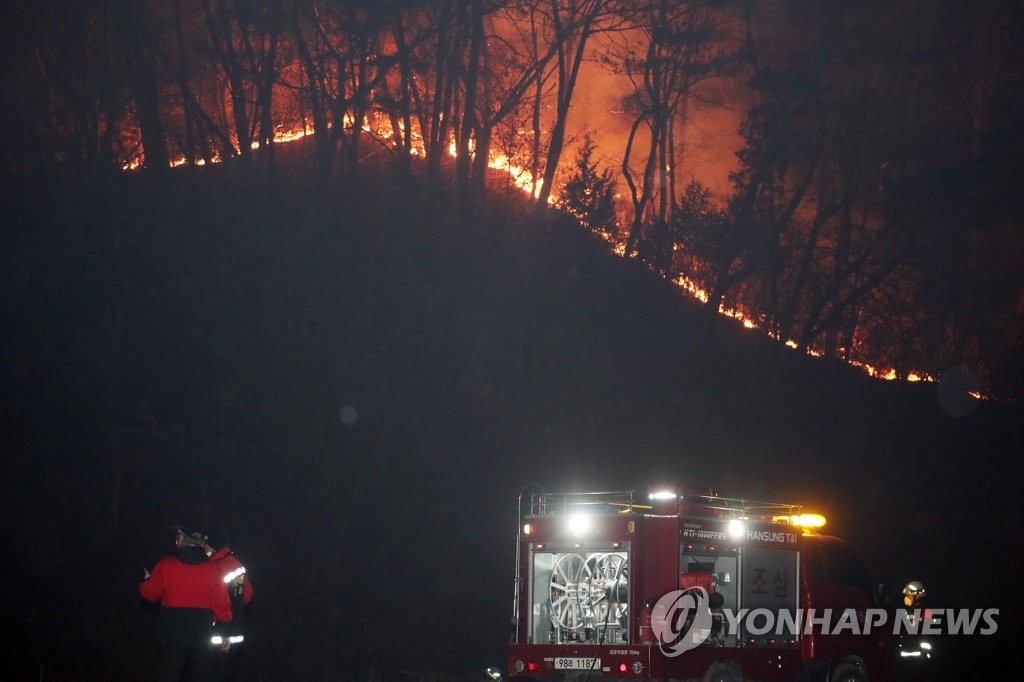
[(577, 663)]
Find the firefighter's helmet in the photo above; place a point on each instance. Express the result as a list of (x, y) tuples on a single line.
[(913, 593)]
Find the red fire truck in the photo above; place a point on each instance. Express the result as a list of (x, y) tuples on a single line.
[(611, 584)]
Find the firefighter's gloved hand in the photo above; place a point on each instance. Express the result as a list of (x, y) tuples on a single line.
[(225, 646)]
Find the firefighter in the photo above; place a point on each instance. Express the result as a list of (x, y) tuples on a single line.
[(913, 594), (228, 637), (192, 597)]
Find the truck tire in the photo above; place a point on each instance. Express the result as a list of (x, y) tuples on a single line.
[(723, 671), (848, 672)]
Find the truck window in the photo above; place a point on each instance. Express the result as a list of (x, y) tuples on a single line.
[(844, 568), (815, 564)]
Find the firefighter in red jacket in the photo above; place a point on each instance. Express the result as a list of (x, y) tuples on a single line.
[(228, 637), (192, 597)]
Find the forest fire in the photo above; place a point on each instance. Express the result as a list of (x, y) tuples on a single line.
[(696, 291), (517, 175), (810, 244), (522, 179)]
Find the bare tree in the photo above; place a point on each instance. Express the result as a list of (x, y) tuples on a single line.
[(572, 26), (340, 49), (69, 85), (138, 40), (674, 48)]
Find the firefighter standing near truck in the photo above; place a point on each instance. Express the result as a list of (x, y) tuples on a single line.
[(192, 597), (227, 637)]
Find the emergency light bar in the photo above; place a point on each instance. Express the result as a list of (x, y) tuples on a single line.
[(801, 520)]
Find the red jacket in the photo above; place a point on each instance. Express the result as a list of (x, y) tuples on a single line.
[(236, 584), (232, 572), (179, 585)]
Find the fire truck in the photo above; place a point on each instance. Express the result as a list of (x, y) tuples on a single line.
[(678, 584)]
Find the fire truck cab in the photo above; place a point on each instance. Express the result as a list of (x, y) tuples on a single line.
[(680, 585)]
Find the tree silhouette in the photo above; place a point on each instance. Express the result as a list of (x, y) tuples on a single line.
[(589, 193)]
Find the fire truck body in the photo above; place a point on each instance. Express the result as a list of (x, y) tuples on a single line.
[(593, 570)]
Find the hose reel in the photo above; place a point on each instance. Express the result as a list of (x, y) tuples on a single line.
[(589, 592)]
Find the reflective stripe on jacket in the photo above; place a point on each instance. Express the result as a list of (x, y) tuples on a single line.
[(238, 587)]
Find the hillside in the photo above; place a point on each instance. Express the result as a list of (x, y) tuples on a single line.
[(358, 386)]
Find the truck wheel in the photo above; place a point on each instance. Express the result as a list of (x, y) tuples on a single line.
[(723, 671), (848, 672)]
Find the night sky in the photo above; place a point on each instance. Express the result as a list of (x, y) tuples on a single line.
[(353, 349)]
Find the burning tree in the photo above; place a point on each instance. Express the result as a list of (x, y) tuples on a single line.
[(672, 49)]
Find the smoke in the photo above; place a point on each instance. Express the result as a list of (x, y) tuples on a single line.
[(710, 133)]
